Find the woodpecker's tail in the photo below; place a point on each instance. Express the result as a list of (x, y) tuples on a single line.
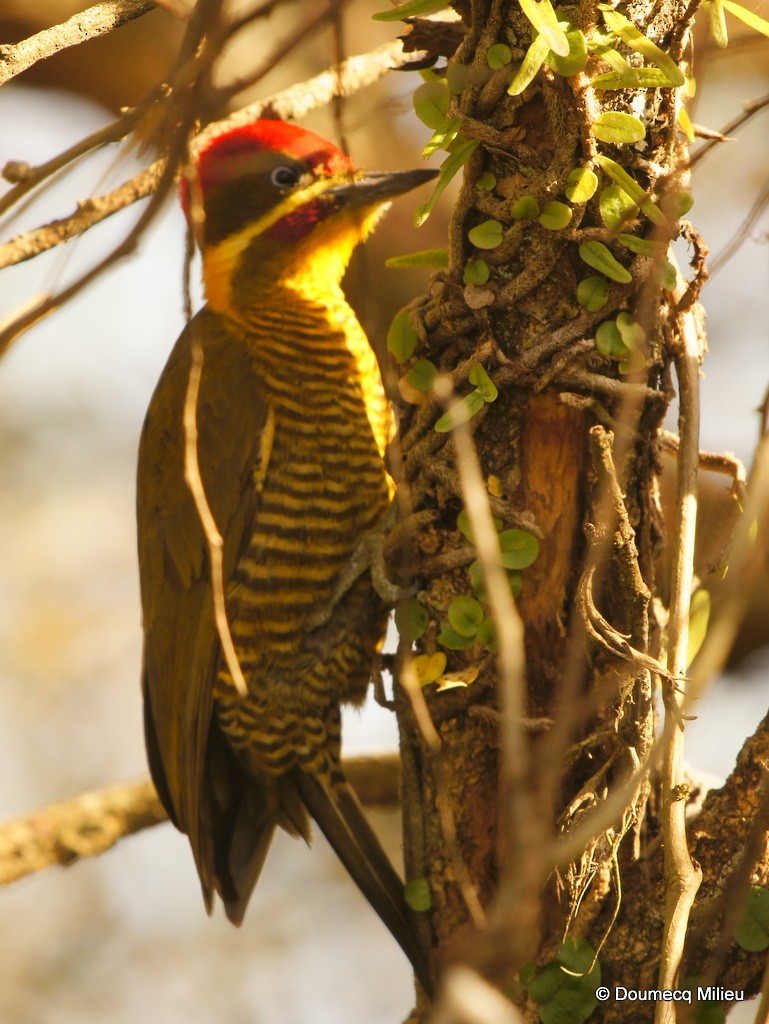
[(342, 821)]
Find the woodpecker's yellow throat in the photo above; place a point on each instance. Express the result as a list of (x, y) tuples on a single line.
[(292, 423)]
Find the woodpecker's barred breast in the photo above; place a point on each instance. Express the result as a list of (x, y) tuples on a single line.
[(322, 486)]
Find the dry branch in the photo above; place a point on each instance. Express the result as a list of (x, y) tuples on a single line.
[(89, 24), (90, 824)]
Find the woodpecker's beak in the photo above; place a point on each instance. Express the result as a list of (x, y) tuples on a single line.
[(371, 189)]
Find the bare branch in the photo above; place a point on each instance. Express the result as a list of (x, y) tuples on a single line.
[(83, 827), (682, 877), (89, 24), (91, 823)]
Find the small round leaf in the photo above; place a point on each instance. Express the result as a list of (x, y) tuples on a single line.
[(555, 216), (486, 235), (411, 619), (519, 548), (582, 183), (465, 615), (525, 208), (476, 272), (422, 374), (593, 293)]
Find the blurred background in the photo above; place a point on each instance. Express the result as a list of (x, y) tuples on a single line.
[(125, 937)]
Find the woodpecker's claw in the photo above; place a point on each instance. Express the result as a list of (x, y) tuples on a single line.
[(368, 555)]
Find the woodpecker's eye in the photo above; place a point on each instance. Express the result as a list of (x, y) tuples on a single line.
[(284, 177)]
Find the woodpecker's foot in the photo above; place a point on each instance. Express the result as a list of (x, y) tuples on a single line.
[(368, 555)]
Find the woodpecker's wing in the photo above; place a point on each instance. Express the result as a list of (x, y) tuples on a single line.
[(197, 778)]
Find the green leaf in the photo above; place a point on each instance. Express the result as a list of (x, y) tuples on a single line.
[(401, 337), (555, 216), (717, 22), (448, 637), (477, 582), (582, 183), (677, 204), (631, 332), (565, 988), (431, 104), (486, 235), (533, 60), (456, 158), (515, 580), (460, 412), (609, 342), (443, 137), (629, 185), (519, 548), (633, 362), (752, 933), (483, 382), (464, 527), (423, 258), (422, 374), (593, 293), (576, 59), (747, 17), (487, 634), (616, 207), (412, 9), (637, 41), (545, 21), (465, 615), (617, 128), (621, 67), (476, 272), (417, 895), (525, 208), (699, 615), (487, 181), (429, 667), (685, 124), (642, 78), (668, 276), (597, 256), (498, 56), (642, 246), (411, 619)]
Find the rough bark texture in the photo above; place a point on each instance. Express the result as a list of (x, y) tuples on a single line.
[(570, 447)]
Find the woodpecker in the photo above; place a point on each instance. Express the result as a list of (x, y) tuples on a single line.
[(292, 423)]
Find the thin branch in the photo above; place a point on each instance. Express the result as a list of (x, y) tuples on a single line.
[(83, 827), (91, 823), (682, 877), (214, 541), (749, 110), (89, 24)]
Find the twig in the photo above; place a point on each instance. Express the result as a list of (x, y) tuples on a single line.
[(682, 877), (749, 110), (214, 540), (89, 24)]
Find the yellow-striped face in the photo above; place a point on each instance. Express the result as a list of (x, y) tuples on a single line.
[(282, 205)]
